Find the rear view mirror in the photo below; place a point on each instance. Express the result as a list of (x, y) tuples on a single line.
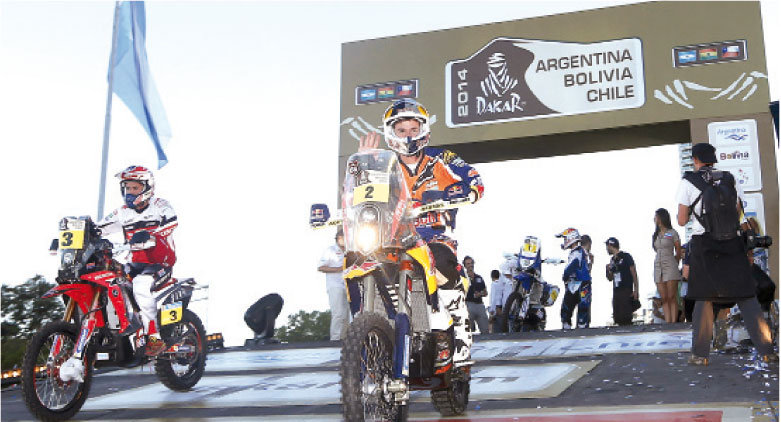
[(54, 246)]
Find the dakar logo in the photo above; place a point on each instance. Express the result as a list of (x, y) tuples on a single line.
[(497, 83)]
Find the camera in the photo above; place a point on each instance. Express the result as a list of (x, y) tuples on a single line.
[(754, 241), (612, 267)]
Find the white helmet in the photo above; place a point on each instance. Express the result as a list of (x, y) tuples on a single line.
[(570, 236), (403, 110), (141, 175)]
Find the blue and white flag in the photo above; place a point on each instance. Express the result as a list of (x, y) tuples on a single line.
[(132, 80)]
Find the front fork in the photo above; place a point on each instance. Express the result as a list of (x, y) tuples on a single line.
[(87, 327), (403, 334)]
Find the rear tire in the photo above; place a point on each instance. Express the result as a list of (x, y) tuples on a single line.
[(47, 397), (189, 367), (452, 401), (366, 362)]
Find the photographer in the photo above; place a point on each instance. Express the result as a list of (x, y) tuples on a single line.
[(622, 272), (718, 268)]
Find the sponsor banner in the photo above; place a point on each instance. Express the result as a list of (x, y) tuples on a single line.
[(308, 388), (715, 52), (737, 151), (518, 79), (386, 91), (754, 206)]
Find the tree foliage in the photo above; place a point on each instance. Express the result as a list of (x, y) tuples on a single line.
[(24, 312), (306, 326)]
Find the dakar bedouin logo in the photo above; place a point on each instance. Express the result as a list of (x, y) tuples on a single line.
[(518, 79), (496, 84)]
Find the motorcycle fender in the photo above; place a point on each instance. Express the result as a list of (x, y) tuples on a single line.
[(357, 271), (81, 293), (422, 255), (103, 278)]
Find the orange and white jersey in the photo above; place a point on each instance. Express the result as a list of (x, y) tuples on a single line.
[(158, 218), (437, 170)]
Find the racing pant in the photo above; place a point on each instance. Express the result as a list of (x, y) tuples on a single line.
[(580, 297), (145, 278), (453, 295)]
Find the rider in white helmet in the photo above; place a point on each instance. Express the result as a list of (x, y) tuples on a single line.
[(147, 222), (432, 174), (577, 281)]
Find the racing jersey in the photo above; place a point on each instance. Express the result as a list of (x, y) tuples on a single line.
[(577, 266), (158, 218), (437, 170)]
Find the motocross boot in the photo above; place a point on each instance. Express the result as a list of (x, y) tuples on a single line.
[(455, 301), (72, 370)]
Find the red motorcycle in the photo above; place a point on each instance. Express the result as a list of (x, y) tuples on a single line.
[(96, 332)]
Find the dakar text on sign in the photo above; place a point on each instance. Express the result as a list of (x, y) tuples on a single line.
[(516, 79)]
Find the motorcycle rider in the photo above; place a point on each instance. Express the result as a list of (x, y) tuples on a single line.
[(577, 281), (432, 174), (143, 212), (147, 222)]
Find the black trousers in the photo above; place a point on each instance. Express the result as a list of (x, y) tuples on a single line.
[(262, 315), (622, 306), (757, 327)]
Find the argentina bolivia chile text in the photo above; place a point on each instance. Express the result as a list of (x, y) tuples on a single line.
[(515, 79)]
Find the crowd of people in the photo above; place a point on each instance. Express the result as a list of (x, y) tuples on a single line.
[(715, 273)]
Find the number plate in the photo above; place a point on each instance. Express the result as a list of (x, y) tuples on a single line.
[(171, 313), (371, 192), (72, 239)]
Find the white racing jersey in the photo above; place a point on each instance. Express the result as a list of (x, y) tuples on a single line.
[(158, 218)]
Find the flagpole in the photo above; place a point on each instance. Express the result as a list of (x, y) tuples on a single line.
[(107, 123)]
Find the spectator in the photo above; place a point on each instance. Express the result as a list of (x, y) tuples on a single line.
[(577, 282), (261, 317), (718, 268), (667, 245), (474, 297), (495, 302), (626, 288), (331, 264), (585, 240), (688, 304)]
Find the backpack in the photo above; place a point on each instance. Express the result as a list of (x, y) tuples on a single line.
[(719, 198)]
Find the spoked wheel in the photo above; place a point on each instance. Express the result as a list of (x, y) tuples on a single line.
[(48, 397), (181, 368), (512, 313), (366, 367), (452, 401)]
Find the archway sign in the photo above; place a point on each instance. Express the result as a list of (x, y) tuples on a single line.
[(615, 78)]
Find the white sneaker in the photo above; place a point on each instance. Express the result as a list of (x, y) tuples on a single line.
[(72, 369), (566, 326)]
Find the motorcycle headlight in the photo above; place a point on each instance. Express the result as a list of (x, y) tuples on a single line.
[(67, 257), (368, 238), (368, 234)]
